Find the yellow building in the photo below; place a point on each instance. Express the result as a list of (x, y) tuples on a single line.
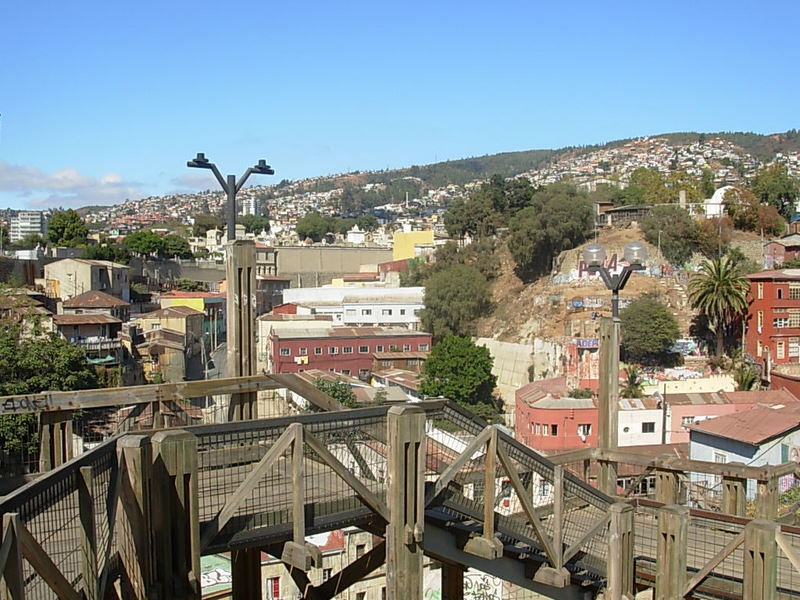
[(405, 244)]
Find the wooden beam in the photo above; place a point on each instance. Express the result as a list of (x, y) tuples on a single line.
[(247, 486), (352, 573), (590, 533), (786, 546), (452, 470), (44, 566), (11, 575), (88, 535), (360, 489), (527, 507), (712, 564)]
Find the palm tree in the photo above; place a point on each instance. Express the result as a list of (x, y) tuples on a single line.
[(633, 383), (719, 291)]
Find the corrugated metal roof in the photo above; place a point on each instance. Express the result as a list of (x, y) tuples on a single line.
[(752, 426), (87, 319), (94, 299)]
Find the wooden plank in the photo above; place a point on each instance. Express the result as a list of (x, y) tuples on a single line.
[(527, 506), (306, 390), (672, 463), (298, 488), (248, 485), (558, 516), (44, 566), (11, 575), (712, 564), (88, 535), (572, 456), (450, 472), (360, 489), (576, 547)]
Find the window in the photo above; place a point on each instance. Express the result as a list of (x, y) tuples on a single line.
[(760, 319), (303, 351), (363, 349), (780, 350), (386, 363), (361, 595), (378, 348), (780, 293), (686, 421), (360, 549), (155, 326), (780, 322), (285, 352), (402, 311), (406, 347), (350, 311), (544, 488), (794, 320), (585, 429), (363, 373), (345, 371), (326, 574), (794, 291), (318, 350), (423, 347), (413, 362), (649, 427), (545, 430), (386, 312), (553, 430), (347, 350), (366, 311), (759, 348), (333, 350), (383, 593), (760, 291)]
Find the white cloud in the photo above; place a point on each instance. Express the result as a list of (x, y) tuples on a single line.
[(65, 187), (196, 181)]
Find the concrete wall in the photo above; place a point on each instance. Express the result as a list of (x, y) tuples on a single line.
[(294, 260), (701, 385), (632, 420), (511, 362)]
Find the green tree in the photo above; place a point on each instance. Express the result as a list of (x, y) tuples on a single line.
[(674, 230), (707, 184), (651, 186), (648, 331), (367, 223), (117, 253), (144, 242), (559, 219), (174, 245), (774, 185), (29, 242), (633, 382), (313, 225), (461, 371), (189, 285), (745, 376), (454, 299), (204, 222), (719, 291), (749, 214), (30, 365), (338, 390), (254, 223), (66, 228)]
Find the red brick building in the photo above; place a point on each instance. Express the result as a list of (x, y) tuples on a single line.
[(772, 333), (347, 350)]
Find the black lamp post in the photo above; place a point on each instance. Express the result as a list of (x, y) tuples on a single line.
[(635, 254), (230, 186)]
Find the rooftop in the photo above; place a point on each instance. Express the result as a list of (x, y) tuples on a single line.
[(347, 333), (776, 275), (400, 355), (182, 294), (85, 319), (171, 312), (401, 377), (753, 426), (94, 299)]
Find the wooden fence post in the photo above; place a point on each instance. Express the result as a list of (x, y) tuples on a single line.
[(673, 527), (767, 499), (176, 543), (88, 535), (620, 552), (406, 494), (734, 495), (667, 486), (760, 579), (134, 454)]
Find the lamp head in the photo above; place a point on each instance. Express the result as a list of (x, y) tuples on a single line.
[(635, 254), (262, 168), (594, 255), (200, 162)]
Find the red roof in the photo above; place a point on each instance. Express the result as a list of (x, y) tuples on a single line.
[(752, 426), (85, 319), (776, 275), (779, 396)]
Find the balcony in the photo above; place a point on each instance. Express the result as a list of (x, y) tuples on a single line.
[(100, 350)]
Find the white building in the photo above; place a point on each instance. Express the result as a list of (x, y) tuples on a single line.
[(362, 307), (250, 205), (640, 422), (27, 222), (715, 206)]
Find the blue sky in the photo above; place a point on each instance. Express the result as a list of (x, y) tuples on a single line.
[(102, 101)]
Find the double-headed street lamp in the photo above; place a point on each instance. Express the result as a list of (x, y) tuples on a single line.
[(635, 254), (230, 186), (594, 255)]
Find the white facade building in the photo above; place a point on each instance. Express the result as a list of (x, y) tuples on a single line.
[(27, 222), (640, 422), (362, 307)]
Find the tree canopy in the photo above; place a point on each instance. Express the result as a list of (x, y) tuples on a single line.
[(461, 371), (674, 230), (749, 214), (649, 331), (559, 219), (174, 245), (313, 225), (454, 299), (254, 223), (66, 228), (203, 222), (143, 242), (774, 185), (338, 390), (118, 253)]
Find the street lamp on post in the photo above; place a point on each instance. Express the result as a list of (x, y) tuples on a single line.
[(229, 185), (594, 255), (635, 254)]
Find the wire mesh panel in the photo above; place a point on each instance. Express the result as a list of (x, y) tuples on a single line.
[(48, 508), (788, 573)]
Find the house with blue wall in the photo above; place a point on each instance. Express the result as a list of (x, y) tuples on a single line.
[(763, 435)]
